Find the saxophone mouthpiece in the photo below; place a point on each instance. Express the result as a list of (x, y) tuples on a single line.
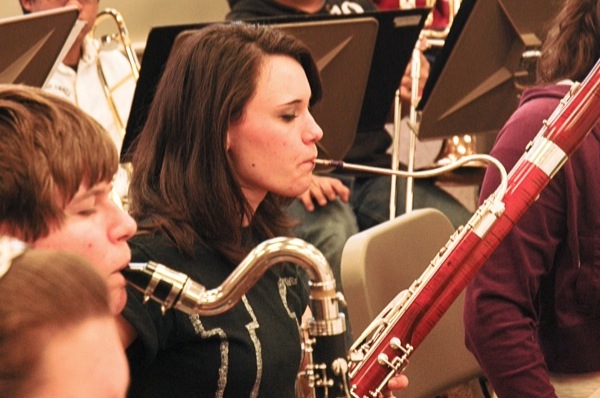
[(155, 282), (138, 275)]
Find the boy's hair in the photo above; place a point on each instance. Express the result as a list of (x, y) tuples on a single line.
[(48, 149)]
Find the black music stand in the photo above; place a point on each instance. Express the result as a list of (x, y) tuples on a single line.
[(396, 36), (34, 44), (487, 60)]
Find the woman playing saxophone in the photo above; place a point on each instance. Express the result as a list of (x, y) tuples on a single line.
[(228, 143)]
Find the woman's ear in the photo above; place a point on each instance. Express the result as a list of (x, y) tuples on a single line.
[(227, 143)]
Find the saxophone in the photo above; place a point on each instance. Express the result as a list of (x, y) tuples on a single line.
[(324, 341), (382, 351)]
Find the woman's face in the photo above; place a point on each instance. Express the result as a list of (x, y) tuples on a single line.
[(273, 146)]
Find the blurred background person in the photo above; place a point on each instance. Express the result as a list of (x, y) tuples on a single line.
[(246, 9), (441, 12), (76, 77), (531, 314), (58, 336)]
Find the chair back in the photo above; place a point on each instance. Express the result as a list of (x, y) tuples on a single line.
[(380, 262)]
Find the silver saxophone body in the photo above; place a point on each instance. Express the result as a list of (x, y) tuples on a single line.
[(323, 334)]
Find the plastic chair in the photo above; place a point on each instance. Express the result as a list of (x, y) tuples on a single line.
[(380, 262)]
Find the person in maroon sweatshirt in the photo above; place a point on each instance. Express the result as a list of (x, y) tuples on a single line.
[(532, 313)]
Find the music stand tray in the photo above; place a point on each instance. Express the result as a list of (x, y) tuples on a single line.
[(34, 44)]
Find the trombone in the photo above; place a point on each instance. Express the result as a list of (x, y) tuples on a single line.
[(122, 38)]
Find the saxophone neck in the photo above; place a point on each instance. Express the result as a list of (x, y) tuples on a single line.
[(283, 249), (172, 289), (324, 300)]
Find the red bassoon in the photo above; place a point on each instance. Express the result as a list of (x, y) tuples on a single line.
[(413, 314)]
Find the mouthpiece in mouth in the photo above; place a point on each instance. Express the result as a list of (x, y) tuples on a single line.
[(147, 278), (138, 275), (330, 162)]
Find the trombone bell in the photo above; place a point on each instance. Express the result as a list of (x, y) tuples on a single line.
[(121, 37), (105, 42)]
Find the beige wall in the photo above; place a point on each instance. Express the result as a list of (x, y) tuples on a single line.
[(141, 15)]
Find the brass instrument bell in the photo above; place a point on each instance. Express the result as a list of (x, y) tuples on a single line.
[(108, 41)]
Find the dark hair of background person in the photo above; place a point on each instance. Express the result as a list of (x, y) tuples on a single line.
[(183, 181), (572, 45)]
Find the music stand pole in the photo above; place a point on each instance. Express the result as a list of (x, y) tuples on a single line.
[(414, 94), (395, 152)]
